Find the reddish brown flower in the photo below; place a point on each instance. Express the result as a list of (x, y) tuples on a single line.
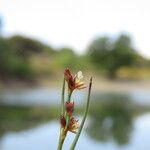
[(74, 82), (73, 125), (62, 121), (69, 78), (69, 107)]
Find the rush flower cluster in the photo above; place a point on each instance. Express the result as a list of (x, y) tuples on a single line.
[(74, 82), (73, 123), (67, 119)]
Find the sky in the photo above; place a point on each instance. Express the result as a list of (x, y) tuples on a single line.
[(75, 23)]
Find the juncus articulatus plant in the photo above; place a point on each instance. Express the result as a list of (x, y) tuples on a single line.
[(67, 120)]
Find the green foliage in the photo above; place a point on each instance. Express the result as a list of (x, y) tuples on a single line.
[(111, 55), (23, 57), (24, 46), (15, 54), (11, 62), (65, 58), (4, 53)]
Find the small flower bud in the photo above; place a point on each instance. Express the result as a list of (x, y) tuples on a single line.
[(62, 121), (69, 107)]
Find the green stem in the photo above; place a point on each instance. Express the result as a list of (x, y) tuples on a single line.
[(62, 136), (63, 98), (84, 117), (66, 114), (69, 96), (60, 143)]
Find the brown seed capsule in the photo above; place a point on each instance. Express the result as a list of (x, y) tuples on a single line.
[(62, 121), (69, 107)]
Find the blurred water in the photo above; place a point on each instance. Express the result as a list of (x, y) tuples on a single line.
[(37, 96), (45, 137), (43, 96), (117, 121)]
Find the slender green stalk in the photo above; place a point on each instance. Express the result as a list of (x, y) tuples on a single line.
[(62, 131), (66, 114), (84, 117), (61, 140), (60, 143), (69, 96), (63, 98)]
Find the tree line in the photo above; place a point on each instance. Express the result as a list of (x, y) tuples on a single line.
[(24, 57)]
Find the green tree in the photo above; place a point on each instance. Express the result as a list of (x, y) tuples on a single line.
[(5, 57), (98, 51), (25, 46), (65, 58), (16, 53), (110, 55), (11, 63)]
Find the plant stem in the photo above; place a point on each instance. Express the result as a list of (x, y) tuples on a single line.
[(63, 98), (66, 114), (84, 117), (60, 142), (63, 131), (69, 96)]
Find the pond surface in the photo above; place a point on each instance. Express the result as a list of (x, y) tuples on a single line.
[(44, 96), (116, 121), (45, 137), (37, 96)]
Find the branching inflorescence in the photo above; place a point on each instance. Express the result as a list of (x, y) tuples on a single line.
[(67, 120)]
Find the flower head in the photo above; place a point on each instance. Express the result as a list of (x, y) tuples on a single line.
[(74, 82), (62, 121), (69, 107), (73, 125)]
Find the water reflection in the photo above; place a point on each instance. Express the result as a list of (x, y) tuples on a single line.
[(19, 118), (45, 137), (112, 118)]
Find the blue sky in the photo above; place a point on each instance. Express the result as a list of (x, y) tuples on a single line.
[(75, 23)]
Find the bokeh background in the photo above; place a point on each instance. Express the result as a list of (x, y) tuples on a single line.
[(108, 40)]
